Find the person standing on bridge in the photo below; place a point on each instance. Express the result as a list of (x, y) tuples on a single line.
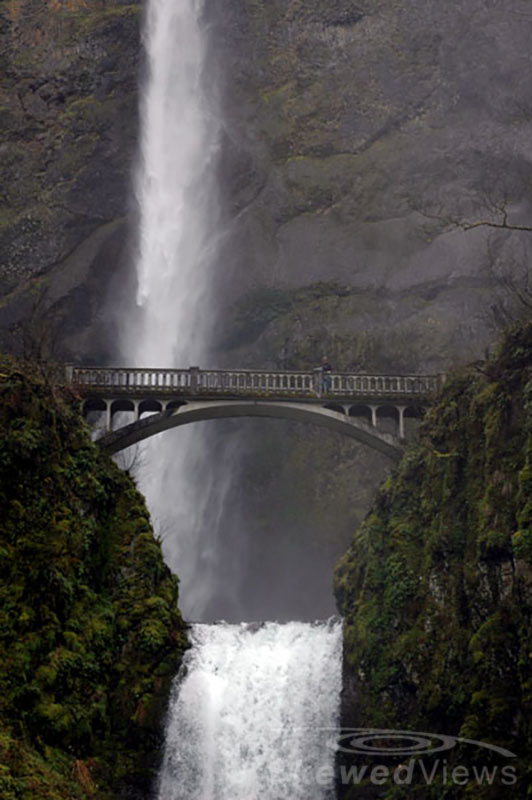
[(326, 370)]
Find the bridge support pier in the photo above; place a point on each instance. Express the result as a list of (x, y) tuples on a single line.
[(401, 410)]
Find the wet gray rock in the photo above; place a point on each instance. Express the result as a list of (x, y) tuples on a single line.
[(69, 133), (377, 126)]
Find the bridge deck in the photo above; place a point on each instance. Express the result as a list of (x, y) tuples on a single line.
[(217, 384)]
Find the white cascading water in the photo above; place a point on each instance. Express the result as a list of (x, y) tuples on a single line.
[(176, 193), (255, 705), (175, 188), (254, 714)]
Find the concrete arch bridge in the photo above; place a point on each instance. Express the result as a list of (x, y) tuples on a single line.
[(159, 399)]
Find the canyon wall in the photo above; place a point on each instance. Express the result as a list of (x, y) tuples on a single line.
[(90, 633), (362, 145), (436, 588)]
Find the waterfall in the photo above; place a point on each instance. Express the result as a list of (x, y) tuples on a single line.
[(255, 707), (178, 212), (175, 188), (254, 713)]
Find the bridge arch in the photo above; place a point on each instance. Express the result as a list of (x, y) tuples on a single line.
[(364, 413), (94, 404), (335, 407), (122, 404), (186, 413), (390, 418), (150, 405)]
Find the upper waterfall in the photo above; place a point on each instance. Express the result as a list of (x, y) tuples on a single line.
[(175, 189)]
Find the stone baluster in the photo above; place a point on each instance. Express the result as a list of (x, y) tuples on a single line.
[(194, 375)]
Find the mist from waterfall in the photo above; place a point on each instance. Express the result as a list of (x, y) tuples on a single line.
[(254, 713), (178, 224)]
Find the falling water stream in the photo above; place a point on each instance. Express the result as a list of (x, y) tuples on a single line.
[(256, 705), (176, 193), (254, 714)]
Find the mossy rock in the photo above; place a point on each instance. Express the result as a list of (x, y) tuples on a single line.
[(438, 624), (90, 632)]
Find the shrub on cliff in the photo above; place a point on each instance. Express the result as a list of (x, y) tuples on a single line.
[(90, 633)]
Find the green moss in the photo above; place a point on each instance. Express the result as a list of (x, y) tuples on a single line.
[(96, 18), (437, 617), (69, 23), (90, 633)]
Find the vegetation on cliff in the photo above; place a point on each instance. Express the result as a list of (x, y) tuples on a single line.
[(436, 588), (90, 633)]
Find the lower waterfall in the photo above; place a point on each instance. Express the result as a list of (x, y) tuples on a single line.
[(254, 713)]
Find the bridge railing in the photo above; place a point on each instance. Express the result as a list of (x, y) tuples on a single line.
[(252, 382)]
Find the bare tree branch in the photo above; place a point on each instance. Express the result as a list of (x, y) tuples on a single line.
[(499, 209), (509, 269)]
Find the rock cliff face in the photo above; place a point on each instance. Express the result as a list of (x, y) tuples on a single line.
[(437, 586), (69, 110), (356, 138), (356, 135)]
